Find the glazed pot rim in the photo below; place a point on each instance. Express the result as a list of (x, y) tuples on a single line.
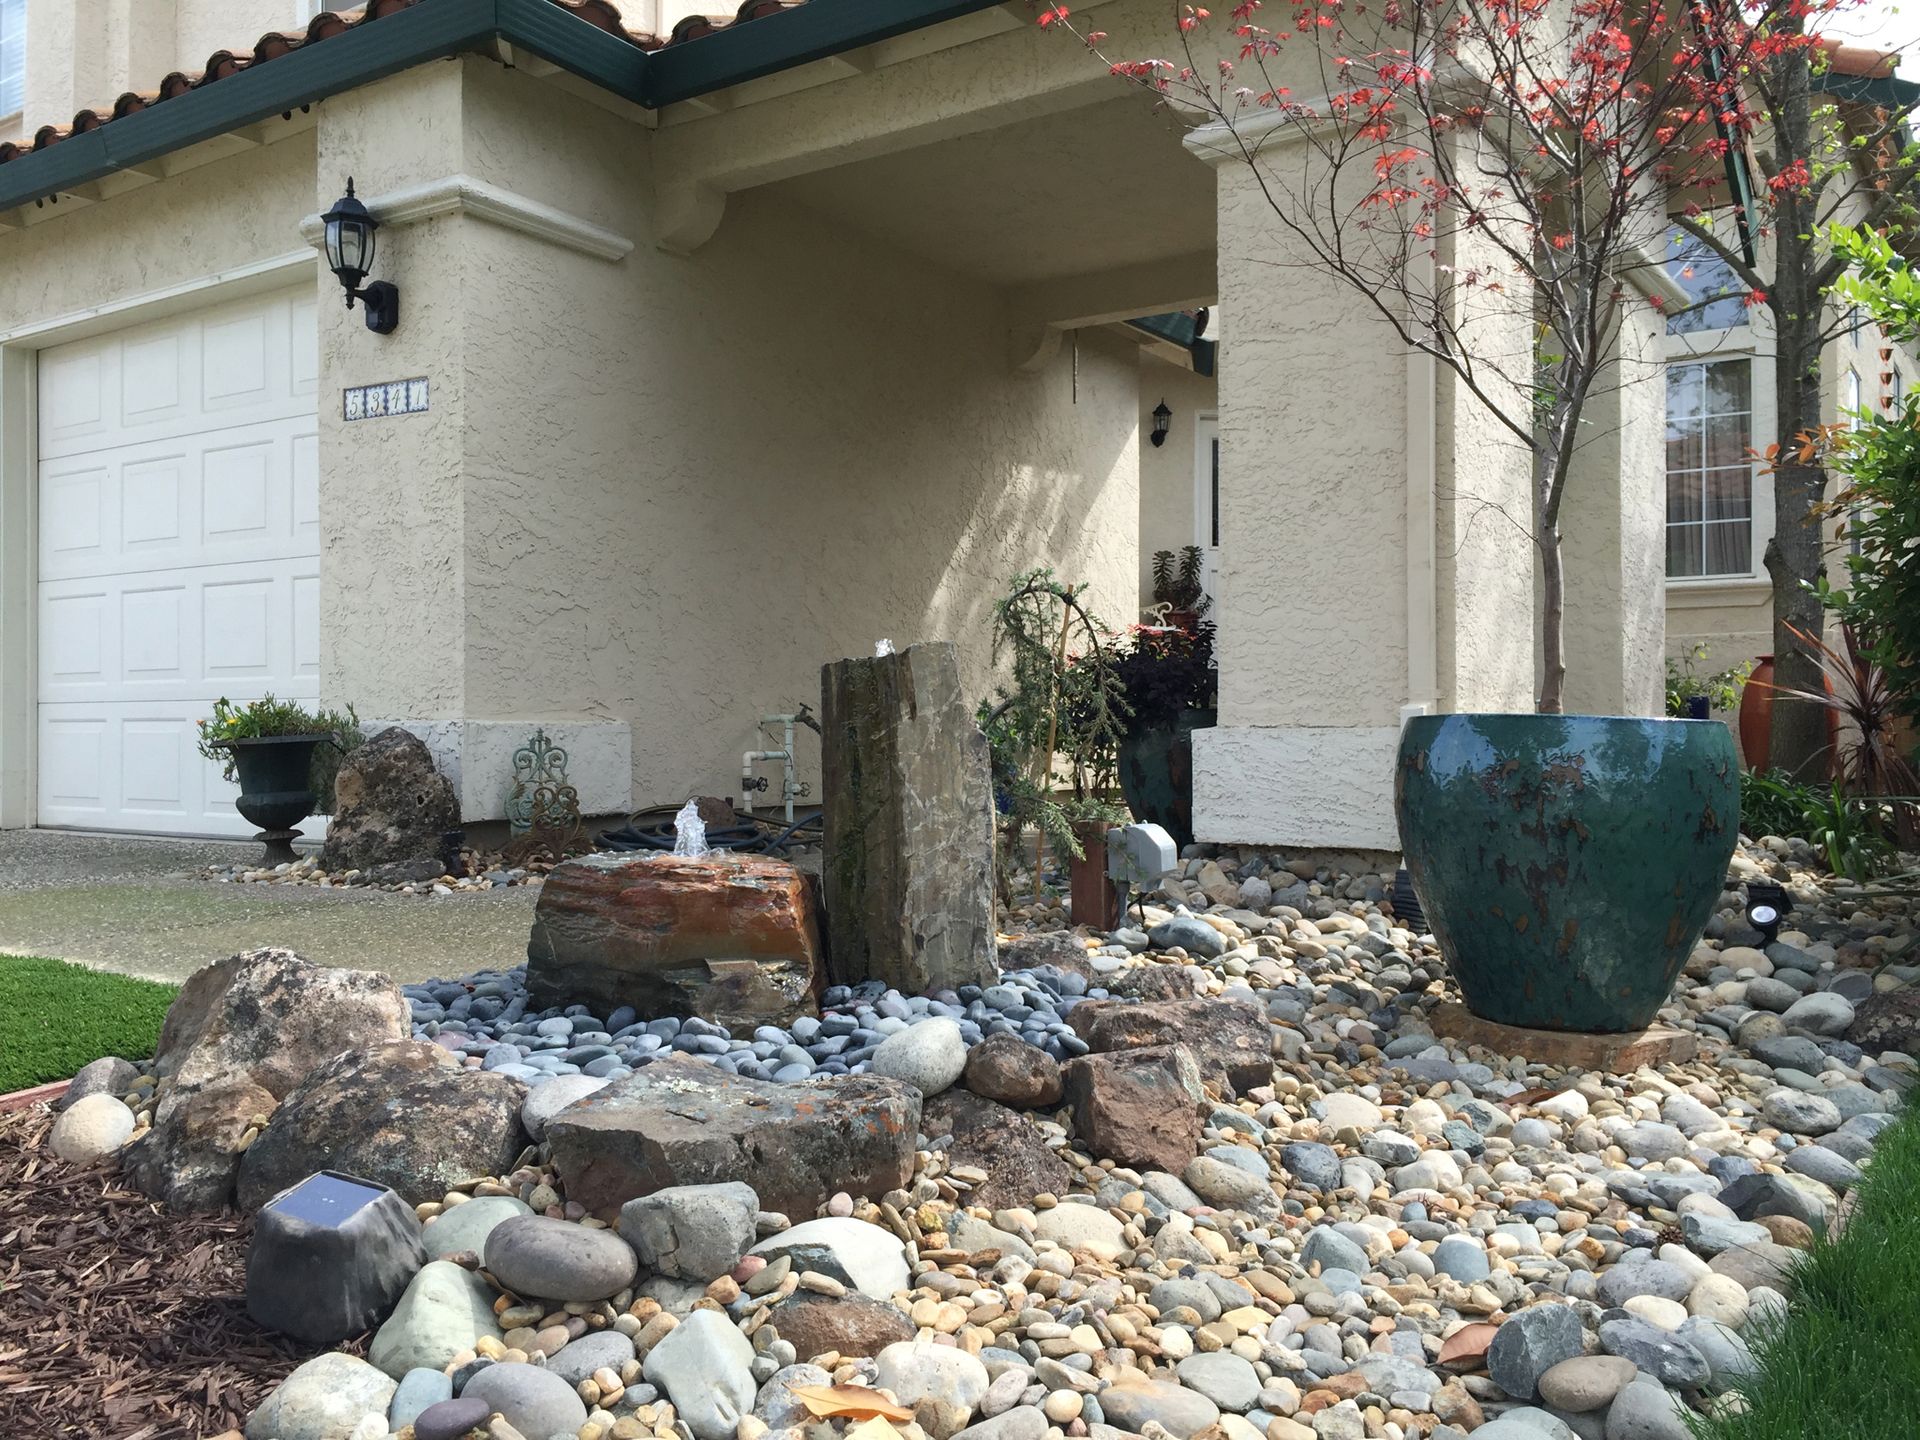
[(1535, 715)]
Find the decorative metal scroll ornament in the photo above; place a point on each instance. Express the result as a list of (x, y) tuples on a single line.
[(541, 798)]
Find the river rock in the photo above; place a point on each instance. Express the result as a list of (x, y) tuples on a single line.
[(547, 1259), (596, 1350), (1530, 1343), (862, 1256), (92, 1129), (550, 1097), (1188, 933), (241, 1035), (404, 1113), (419, 1391), (533, 1399), (1231, 1040), (109, 1075), (851, 1324), (464, 1228), (730, 938), (691, 1232), (1666, 1357), (1006, 1069), (1183, 1412), (390, 805), (1086, 1228), (929, 1056), (445, 1310), (704, 1366), (681, 1121), (1141, 1108), (1585, 1382), (324, 1399), (917, 1370)]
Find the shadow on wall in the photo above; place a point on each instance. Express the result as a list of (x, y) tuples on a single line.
[(743, 464)]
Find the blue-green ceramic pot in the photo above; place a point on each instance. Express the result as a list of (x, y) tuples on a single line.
[(1566, 863)]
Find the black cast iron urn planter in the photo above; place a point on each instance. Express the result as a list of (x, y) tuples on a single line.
[(276, 788)]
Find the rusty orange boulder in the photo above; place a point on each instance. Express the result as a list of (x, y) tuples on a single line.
[(681, 1121), (730, 938), (1231, 1039)]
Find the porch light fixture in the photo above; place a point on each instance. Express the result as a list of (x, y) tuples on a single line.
[(1162, 421), (349, 241)]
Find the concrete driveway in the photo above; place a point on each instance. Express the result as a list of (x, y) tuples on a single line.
[(133, 905)]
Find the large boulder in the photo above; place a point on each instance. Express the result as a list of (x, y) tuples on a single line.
[(1141, 1108), (389, 805), (1231, 1039), (908, 796), (730, 938), (681, 1121), (1006, 1144), (1888, 1020), (239, 1037), (405, 1113)]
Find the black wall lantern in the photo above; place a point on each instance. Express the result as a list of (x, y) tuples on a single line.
[(349, 241), (1162, 420)]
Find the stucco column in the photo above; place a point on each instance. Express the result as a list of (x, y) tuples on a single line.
[(1613, 523), (1373, 561), (392, 499)]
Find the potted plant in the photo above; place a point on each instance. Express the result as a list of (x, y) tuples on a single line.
[(1060, 701), (1178, 591), (1169, 680), (1693, 696), (284, 758)]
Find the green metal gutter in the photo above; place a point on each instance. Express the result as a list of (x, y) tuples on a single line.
[(780, 41), (436, 29), (1889, 91)]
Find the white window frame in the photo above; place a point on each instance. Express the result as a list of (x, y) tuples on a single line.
[(1738, 342)]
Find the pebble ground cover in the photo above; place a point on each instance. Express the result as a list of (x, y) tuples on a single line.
[(1359, 1230)]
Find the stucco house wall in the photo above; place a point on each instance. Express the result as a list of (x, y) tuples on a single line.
[(668, 489)]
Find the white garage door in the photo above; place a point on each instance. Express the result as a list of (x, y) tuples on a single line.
[(179, 555)]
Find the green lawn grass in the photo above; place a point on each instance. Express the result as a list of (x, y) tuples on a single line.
[(1844, 1362), (55, 1017)]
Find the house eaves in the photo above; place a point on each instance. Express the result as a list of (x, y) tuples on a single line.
[(395, 37)]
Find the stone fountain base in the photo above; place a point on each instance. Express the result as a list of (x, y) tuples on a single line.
[(730, 938)]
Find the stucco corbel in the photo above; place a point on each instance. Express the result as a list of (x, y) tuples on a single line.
[(463, 195), (685, 216), (1031, 348)]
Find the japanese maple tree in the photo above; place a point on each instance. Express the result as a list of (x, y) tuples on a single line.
[(1481, 169)]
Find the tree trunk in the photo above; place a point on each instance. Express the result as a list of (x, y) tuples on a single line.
[(1553, 624), (1793, 556)]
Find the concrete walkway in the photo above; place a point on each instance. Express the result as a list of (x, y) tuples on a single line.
[(132, 905)]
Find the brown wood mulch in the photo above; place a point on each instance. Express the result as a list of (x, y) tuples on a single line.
[(118, 1320)]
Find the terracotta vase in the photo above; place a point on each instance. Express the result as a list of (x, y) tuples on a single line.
[(1756, 714)]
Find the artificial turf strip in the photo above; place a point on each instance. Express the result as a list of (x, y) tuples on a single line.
[(1844, 1361), (55, 1017)]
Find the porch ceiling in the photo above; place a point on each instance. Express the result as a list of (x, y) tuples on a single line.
[(1100, 188)]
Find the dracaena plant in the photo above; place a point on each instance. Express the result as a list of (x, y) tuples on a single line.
[(1478, 170)]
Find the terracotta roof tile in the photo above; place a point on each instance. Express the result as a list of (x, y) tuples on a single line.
[(602, 14)]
